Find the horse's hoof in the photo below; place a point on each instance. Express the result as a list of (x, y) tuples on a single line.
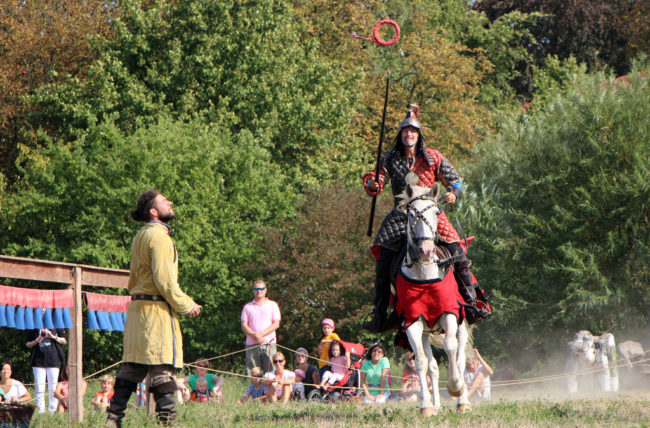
[(427, 412), (464, 408), (456, 393)]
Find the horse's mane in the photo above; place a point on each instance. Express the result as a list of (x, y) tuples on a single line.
[(404, 198)]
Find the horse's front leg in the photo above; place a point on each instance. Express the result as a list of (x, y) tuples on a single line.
[(434, 371), (414, 334), (455, 384), (463, 404)]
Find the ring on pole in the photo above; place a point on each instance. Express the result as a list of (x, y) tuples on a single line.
[(375, 33)]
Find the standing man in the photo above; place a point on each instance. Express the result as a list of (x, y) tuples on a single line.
[(152, 338), (259, 320)]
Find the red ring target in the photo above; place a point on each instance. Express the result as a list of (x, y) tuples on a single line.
[(375, 32)]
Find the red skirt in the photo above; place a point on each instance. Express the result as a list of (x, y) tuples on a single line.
[(430, 300)]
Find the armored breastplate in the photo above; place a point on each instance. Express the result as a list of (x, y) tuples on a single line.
[(397, 168)]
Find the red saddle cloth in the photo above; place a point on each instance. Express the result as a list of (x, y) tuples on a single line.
[(430, 300)]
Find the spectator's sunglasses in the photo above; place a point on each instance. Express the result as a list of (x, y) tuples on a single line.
[(259, 288)]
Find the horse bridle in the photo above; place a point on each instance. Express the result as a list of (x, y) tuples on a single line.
[(413, 220)]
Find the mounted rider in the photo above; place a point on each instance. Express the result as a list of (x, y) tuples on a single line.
[(411, 156)]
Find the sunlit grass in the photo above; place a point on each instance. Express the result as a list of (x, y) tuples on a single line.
[(629, 409)]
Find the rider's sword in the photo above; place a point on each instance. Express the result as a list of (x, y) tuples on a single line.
[(381, 140)]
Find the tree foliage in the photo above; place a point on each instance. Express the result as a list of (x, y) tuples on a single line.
[(198, 59), (42, 42), (597, 33), (318, 265), (561, 205)]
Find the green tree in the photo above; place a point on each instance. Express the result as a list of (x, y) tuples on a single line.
[(73, 201), (41, 42), (561, 205), (595, 32), (318, 265), (202, 59)]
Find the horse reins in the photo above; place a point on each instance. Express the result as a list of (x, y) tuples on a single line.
[(419, 215)]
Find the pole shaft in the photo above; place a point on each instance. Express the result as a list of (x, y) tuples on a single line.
[(381, 140)]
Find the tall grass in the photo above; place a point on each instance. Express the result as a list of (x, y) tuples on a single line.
[(507, 409)]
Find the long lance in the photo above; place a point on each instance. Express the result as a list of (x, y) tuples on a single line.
[(381, 140)]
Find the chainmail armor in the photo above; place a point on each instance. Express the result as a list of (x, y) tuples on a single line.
[(430, 166)]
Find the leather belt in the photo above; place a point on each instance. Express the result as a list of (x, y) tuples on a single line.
[(149, 297)]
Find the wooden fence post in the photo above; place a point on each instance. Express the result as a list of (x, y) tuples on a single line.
[(75, 351)]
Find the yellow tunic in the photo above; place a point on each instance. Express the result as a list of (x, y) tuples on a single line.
[(152, 333), (325, 349)]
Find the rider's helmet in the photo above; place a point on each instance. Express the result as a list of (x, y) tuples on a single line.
[(411, 119)]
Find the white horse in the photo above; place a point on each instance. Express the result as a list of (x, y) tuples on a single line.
[(423, 284), (589, 354)]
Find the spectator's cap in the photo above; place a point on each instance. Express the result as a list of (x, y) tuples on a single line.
[(300, 373), (328, 321), (302, 351)]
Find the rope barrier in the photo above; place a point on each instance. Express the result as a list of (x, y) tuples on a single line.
[(510, 382)]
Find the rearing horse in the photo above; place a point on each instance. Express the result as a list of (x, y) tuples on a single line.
[(427, 299)]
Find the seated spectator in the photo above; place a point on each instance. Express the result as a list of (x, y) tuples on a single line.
[(256, 390), (307, 376), (374, 376), (215, 383), (411, 379), (62, 390), (477, 377), (339, 361), (103, 398), (201, 394), (11, 390), (279, 381)]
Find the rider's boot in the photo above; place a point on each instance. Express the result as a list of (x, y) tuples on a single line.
[(474, 311), (466, 286), (381, 297), (123, 390)]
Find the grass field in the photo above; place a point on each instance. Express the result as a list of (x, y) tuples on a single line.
[(528, 407)]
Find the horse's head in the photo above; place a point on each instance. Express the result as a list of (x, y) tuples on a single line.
[(583, 346), (421, 207)]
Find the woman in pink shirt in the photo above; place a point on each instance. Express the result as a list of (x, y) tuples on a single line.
[(338, 361)]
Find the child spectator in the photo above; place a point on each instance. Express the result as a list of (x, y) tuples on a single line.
[(215, 383), (62, 390), (256, 390), (328, 336), (339, 363), (201, 394), (411, 379), (103, 398)]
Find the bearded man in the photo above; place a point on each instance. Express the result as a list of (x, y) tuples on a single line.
[(152, 337)]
